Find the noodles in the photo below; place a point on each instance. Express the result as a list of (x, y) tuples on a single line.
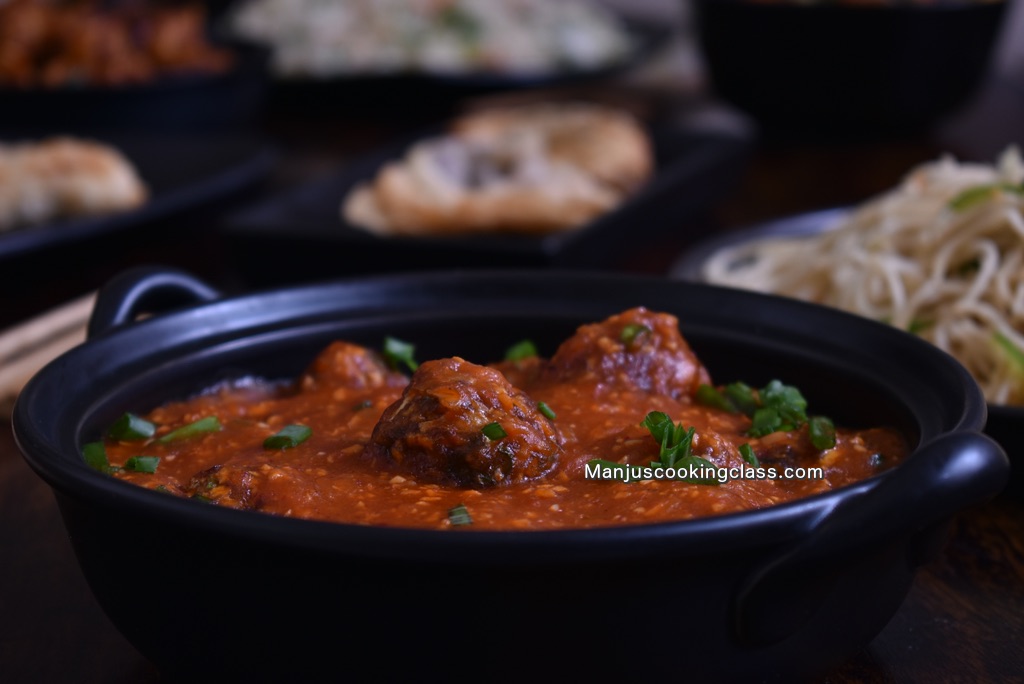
[(941, 255)]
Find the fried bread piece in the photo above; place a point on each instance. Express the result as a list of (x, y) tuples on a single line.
[(63, 177), (606, 143), (527, 169), (455, 186)]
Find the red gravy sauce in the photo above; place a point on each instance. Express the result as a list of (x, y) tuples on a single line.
[(388, 449)]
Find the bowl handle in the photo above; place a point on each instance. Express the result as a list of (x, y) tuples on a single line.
[(952, 472), (145, 289)]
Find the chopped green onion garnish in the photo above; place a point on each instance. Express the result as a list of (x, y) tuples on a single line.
[(979, 193), (494, 431), (822, 432), (786, 400), (709, 396), (142, 464), (130, 427), (631, 332), (521, 350), (199, 427), (747, 452), (546, 410), (678, 449), (782, 408), (918, 326), (288, 437), (95, 455), (971, 196), (741, 396), (459, 515), (398, 352), (675, 440), (364, 404), (459, 21), (1013, 352), (775, 407), (658, 424), (764, 422)]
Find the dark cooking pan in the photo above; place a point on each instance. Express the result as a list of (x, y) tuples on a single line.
[(781, 594)]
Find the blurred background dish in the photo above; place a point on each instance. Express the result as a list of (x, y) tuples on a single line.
[(846, 67), (302, 230), (179, 172), (85, 43), (64, 177), (327, 39), (380, 89), (138, 64), (537, 169), (1004, 420)]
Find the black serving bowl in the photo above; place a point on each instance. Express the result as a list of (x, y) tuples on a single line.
[(783, 593), (836, 68)]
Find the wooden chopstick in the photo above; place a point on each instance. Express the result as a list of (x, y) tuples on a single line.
[(25, 337), (27, 347)]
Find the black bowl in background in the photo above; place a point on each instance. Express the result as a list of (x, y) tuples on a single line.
[(434, 95), (172, 104), (846, 69), (776, 594)]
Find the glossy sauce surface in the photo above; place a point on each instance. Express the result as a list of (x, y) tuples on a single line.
[(387, 449)]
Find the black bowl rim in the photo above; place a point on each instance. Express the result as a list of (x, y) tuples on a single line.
[(74, 479)]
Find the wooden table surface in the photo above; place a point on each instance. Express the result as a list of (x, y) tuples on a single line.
[(963, 620)]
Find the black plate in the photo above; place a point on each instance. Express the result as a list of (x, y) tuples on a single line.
[(302, 230), (1005, 423), (181, 173), (379, 92)]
